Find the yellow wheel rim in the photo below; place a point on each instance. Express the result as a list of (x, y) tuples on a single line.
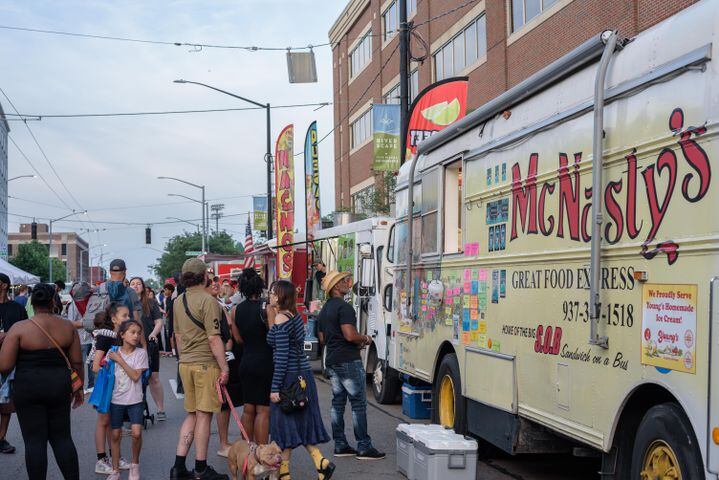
[(446, 402), (660, 463)]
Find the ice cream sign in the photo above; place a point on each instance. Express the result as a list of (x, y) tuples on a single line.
[(669, 323)]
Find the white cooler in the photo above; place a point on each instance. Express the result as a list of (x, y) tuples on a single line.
[(444, 455), (405, 435)]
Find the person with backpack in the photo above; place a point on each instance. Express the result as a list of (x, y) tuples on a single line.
[(80, 294)]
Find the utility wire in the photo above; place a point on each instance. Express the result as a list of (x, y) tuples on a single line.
[(448, 12), (27, 116)]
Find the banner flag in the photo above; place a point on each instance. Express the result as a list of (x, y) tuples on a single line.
[(259, 208), (437, 106), (312, 183), (386, 125), (285, 201)]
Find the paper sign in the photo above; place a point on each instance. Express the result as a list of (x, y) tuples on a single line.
[(467, 274), (467, 287), (482, 275), (466, 338), (482, 327), (669, 326)]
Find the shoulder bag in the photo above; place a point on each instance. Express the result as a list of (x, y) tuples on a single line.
[(294, 398), (75, 380)]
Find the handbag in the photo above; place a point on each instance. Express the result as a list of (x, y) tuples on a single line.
[(75, 380), (104, 384), (294, 398)]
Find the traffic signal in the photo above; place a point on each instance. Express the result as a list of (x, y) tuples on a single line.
[(33, 230), (148, 236)]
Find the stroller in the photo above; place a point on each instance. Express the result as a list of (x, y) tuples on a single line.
[(152, 348)]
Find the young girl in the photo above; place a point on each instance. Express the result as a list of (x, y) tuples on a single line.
[(107, 325), (131, 362)]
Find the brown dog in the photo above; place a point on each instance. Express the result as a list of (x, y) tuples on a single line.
[(250, 461)]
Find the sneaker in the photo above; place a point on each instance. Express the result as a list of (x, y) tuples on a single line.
[(210, 474), (345, 452), (114, 475), (223, 452), (370, 454), (124, 464), (88, 390), (5, 447), (103, 466), (134, 472), (181, 474), (161, 416)]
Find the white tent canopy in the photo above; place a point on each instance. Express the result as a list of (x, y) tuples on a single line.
[(17, 276)]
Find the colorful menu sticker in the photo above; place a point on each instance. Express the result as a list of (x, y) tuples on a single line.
[(669, 326)]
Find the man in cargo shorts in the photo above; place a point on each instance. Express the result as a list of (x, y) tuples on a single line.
[(342, 341), (202, 364)]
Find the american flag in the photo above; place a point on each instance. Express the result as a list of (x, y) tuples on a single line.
[(249, 247)]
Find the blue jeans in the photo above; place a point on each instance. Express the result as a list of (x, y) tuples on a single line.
[(348, 381), (85, 348)]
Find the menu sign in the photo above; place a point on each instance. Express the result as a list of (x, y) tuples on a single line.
[(669, 326)]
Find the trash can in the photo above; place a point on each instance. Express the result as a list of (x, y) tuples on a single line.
[(444, 455)]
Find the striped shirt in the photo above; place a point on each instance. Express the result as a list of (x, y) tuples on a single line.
[(287, 342)]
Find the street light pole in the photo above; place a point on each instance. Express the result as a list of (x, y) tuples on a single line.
[(185, 221), (202, 204), (49, 242), (268, 153), (20, 176)]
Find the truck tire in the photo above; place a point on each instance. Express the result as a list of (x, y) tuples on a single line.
[(449, 407), (385, 383), (665, 446)]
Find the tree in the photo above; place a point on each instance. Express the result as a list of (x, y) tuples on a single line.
[(171, 261), (32, 257)]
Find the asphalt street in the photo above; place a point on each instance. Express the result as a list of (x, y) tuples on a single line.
[(160, 440)]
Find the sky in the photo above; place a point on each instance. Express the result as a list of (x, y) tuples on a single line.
[(109, 166)]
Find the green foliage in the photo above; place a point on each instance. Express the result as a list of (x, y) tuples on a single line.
[(33, 258), (171, 261)]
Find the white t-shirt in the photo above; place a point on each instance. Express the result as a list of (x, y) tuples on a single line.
[(127, 392)]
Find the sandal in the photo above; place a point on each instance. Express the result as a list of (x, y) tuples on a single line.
[(284, 475), (326, 471)]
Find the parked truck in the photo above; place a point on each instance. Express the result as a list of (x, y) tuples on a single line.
[(557, 283), (365, 250)]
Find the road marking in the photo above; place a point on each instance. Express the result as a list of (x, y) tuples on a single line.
[(173, 386)]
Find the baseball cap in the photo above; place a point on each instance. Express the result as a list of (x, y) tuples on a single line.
[(118, 265), (194, 265)]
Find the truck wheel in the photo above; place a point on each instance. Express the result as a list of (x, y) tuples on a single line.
[(665, 446), (385, 383), (448, 404)]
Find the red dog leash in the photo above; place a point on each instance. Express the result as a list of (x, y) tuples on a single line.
[(225, 398)]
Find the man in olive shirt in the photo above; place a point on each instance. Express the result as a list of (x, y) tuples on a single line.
[(202, 364)]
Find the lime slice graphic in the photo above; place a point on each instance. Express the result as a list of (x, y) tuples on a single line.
[(442, 113)]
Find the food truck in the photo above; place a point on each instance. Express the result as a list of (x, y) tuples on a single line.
[(557, 283), (364, 249)]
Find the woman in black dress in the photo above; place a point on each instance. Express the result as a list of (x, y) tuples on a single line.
[(250, 330)]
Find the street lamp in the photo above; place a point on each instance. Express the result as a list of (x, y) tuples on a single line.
[(202, 203), (49, 242), (20, 176), (268, 154), (185, 221)]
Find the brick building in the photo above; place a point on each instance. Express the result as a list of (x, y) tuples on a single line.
[(69, 247), (497, 43)]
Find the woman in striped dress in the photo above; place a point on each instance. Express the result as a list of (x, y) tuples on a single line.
[(305, 427)]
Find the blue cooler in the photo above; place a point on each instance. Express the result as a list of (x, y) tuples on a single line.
[(416, 401)]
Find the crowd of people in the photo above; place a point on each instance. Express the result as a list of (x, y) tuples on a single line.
[(238, 344)]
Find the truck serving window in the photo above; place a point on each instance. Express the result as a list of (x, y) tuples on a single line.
[(430, 207), (453, 208)]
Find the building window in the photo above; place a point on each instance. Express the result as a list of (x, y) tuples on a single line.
[(9, 249), (361, 129), (362, 201), (390, 18), (463, 50), (361, 55), (525, 10), (63, 249), (393, 95)]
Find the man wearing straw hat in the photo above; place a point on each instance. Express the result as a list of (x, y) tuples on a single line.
[(342, 341)]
